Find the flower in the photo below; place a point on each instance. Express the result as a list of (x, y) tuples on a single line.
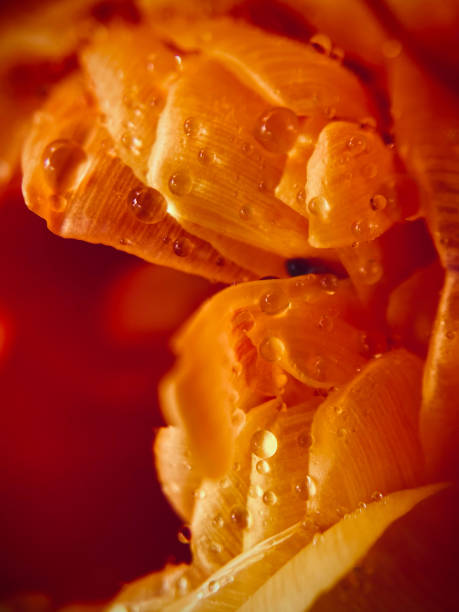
[(306, 414)]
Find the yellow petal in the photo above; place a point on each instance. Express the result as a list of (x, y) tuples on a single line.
[(365, 438), (330, 556), (179, 478), (73, 179)]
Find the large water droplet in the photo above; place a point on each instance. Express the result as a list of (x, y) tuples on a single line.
[(182, 247), (269, 498), (277, 130), (180, 183), (274, 302), (319, 207), (61, 159), (147, 204), (271, 349), (263, 444), (240, 517), (263, 467), (378, 202), (357, 144)]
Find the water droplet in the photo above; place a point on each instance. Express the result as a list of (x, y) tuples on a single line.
[(301, 489), (189, 126), (337, 54), (368, 123), (213, 586), (218, 521), (378, 202), (277, 130), (319, 207), (205, 156), (238, 420), (225, 483), (362, 505), (304, 439), (269, 498), (245, 212), (184, 534), (236, 466), (263, 467), (58, 202), (183, 585), (182, 247), (199, 494), (271, 349), (357, 144), (301, 196), (451, 334), (240, 517), (255, 491), (329, 283), (363, 229), (61, 160), (371, 271), (274, 302), (376, 496), (215, 548), (391, 48), (338, 409), (312, 485), (246, 148), (147, 204), (263, 444), (180, 183), (321, 43), (369, 171), (325, 323)]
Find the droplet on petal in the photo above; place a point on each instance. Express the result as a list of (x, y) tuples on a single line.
[(277, 130), (263, 444), (274, 302), (271, 349), (147, 204), (61, 159)]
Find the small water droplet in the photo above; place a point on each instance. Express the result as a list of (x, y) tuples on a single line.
[(321, 43), (255, 491), (61, 160), (277, 130), (205, 156), (301, 196), (215, 548), (271, 349), (213, 586), (378, 202), (269, 498), (225, 483), (147, 204), (369, 171), (274, 302), (263, 444), (240, 517), (58, 202), (304, 439), (236, 466), (246, 148), (180, 183), (189, 126), (182, 247), (263, 467), (319, 207), (451, 334), (245, 212), (301, 489), (368, 123), (371, 272), (357, 144), (218, 521), (376, 496), (329, 283), (325, 323), (183, 585), (184, 534), (238, 420), (199, 494), (338, 409)]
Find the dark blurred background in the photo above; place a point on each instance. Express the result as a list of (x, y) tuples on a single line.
[(83, 342)]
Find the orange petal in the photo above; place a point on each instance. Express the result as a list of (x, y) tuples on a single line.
[(84, 191), (439, 422), (350, 195), (365, 438), (178, 477), (223, 194)]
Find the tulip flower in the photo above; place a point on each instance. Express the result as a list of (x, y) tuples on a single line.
[(304, 154)]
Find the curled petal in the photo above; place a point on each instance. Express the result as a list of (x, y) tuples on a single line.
[(365, 438)]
